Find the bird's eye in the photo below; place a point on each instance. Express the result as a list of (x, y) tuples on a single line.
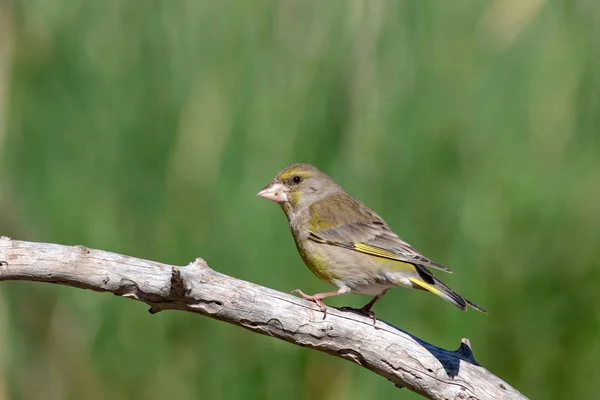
[(296, 179)]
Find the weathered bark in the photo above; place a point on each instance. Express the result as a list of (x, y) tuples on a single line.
[(405, 360)]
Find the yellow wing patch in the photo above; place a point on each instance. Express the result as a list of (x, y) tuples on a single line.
[(376, 251), (361, 247), (380, 252)]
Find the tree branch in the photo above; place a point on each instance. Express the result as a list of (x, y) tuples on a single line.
[(402, 358)]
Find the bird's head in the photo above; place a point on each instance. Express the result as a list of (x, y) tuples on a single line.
[(298, 186)]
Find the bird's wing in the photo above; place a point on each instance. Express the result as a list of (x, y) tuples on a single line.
[(345, 222)]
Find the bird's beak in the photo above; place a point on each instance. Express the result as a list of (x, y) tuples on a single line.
[(275, 192)]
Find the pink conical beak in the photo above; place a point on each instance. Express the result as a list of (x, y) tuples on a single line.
[(275, 192)]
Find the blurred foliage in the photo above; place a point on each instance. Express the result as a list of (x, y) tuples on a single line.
[(147, 127)]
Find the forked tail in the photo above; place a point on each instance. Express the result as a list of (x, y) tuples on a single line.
[(446, 293)]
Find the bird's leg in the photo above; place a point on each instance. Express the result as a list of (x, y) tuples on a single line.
[(318, 298), (366, 309)]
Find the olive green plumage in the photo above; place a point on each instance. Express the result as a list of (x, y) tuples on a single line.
[(348, 245)]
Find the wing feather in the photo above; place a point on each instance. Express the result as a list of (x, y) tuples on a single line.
[(367, 233)]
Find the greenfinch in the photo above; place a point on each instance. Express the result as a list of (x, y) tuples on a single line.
[(347, 245)]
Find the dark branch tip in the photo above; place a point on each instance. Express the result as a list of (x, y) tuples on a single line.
[(466, 342), (465, 352)]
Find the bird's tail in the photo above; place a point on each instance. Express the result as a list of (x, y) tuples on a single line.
[(446, 293)]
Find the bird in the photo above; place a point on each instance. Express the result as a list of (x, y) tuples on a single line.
[(349, 246)]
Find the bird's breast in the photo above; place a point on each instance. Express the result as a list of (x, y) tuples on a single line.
[(315, 259)]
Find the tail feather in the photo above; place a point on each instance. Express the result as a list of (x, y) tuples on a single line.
[(446, 293), (475, 306)]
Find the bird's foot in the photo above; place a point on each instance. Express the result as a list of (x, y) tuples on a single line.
[(364, 311), (368, 313), (315, 299)]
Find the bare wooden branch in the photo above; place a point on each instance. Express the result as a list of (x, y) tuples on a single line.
[(402, 358)]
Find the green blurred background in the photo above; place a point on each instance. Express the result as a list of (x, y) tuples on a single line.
[(148, 127)]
